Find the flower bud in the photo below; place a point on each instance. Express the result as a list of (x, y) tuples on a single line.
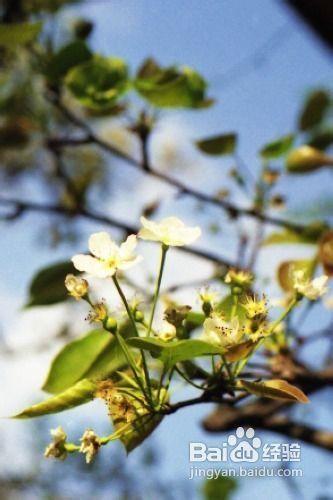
[(238, 280), (138, 316), (77, 287), (110, 324), (307, 159)]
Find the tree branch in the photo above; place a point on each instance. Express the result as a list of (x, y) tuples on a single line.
[(231, 208), (19, 207)]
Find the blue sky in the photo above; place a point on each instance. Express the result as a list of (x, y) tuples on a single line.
[(260, 102)]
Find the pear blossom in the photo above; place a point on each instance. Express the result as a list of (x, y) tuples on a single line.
[(311, 289), (76, 287), (107, 257), (238, 278), (90, 444), (222, 333), (170, 231), (254, 307), (166, 331), (57, 449)]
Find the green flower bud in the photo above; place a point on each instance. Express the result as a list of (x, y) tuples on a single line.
[(138, 316), (111, 324)]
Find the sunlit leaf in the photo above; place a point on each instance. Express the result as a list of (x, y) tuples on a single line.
[(67, 57), (275, 389), (286, 237), (18, 33), (133, 421), (239, 351), (99, 82), (224, 144), (96, 355), (79, 394), (286, 271), (171, 87), (171, 353), (307, 159), (314, 110), (277, 148), (47, 287)]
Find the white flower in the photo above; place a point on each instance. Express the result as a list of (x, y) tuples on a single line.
[(170, 231), (57, 449), (107, 256), (166, 331), (90, 444), (220, 332), (311, 289)]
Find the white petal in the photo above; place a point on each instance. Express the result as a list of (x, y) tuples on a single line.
[(172, 222), (92, 266), (126, 264), (147, 234), (101, 245), (127, 248)]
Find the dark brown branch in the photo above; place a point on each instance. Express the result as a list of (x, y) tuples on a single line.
[(231, 208), (19, 207)]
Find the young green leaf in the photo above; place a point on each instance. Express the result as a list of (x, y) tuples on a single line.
[(277, 148), (95, 355), (275, 389), (99, 82), (171, 87), (79, 394), (47, 287), (224, 144), (171, 353), (18, 33)]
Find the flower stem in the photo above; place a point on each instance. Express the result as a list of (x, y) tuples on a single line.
[(164, 249), (124, 346)]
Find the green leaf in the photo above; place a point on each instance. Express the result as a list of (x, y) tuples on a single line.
[(224, 144), (79, 394), (221, 488), (95, 356), (287, 237), (307, 159), (315, 109), (171, 353), (134, 423), (66, 58), (99, 82), (285, 273), (322, 139), (171, 87), (18, 33), (277, 148), (47, 287), (275, 389)]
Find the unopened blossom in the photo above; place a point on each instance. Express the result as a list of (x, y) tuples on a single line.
[(311, 289), (170, 231), (222, 333), (208, 295), (107, 257), (57, 449), (238, 278), (166, 331), (77, 287), (90, 444)]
